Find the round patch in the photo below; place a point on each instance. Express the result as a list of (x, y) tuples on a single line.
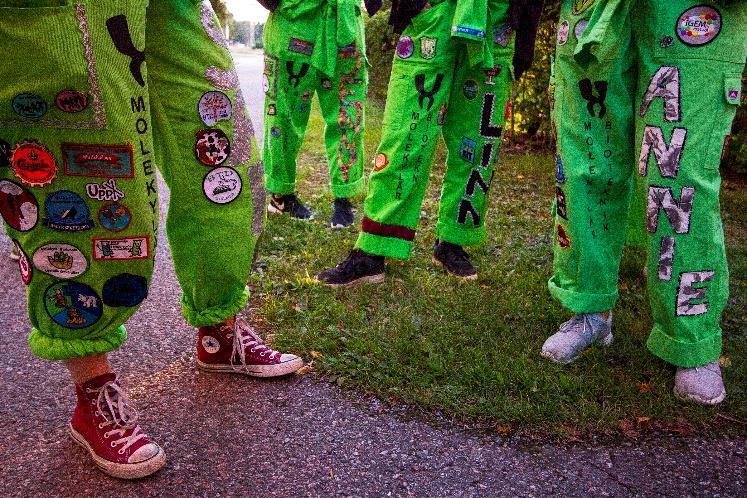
[(29, 105), (18, 206), (222, 185), (699, 25), (33, 164), (405, 47), (72, 305), (275, 132), (23, 264), (66, 211), (114, 216), (210, 344), (124, 290), (470, 89), (4, 154), (380, 162), (212, 147), (60, 260), (580, 28), (71, 101), (213, 107), (563, 31)]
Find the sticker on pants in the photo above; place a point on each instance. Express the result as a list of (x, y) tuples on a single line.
[(120, 249)]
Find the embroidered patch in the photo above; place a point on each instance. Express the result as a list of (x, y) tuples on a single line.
[(428, 47), (210, 344), (222, 185), (502, 35), (124, 290), (381, 161), (492, 73), (467, 150), (275, 132), (71, 101), (114, 216), (563, 29), (559, 170), (564, 241), (349, 51), (327, 84), (33, 164), (29, 105), (5, 152), (306, 96), (271, 110), (666, 41), (23, 264), (699, 25), (561, 206), (580, 28), (442, 114), (72, 305), (734, 95), (212, 147), (270, 77), (470, 89), (120, 249), (107, 190), (466, 30), (60, 260), (213, 107), (98, 160), (67, 212), (405, 47), (300, 46), (18, 206), (580, 6)]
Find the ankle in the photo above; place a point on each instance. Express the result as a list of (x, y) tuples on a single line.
[(87, 368)]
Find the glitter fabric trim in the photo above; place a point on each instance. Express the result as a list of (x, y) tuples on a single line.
[(259, 196), (222, 79), (207, 15)]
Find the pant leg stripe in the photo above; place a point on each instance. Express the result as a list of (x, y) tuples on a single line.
[(376, 228)]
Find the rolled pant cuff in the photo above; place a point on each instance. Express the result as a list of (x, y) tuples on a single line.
[(460, 236), (279, 188), (684, 354), (347, 190), (579, 302), (55, 348), (390, 247), (216, 314)]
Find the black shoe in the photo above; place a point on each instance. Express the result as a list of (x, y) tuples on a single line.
[(290, 204), (359, 267), (342, 217), (454, 259)]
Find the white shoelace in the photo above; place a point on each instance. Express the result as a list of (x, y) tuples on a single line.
[(243, 338), (112, 402)]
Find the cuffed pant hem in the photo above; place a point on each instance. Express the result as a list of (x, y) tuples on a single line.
[(216, 314), (279, 188), (347, 190), (390, 247), (54, 348), (684, 354), (579, 302), (460, 236)]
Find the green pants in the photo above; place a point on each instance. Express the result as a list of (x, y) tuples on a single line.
[(299, 62), (434, 91), (648, 88), (87, 121)]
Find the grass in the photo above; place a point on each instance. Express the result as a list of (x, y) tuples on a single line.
[(470, 349)]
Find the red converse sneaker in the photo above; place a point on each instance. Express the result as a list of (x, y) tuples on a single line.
[(106, 425), (233, 346)]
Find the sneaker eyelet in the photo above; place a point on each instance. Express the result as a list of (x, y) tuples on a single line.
[(113, 444), (101, 426), (262, 353), (121, 452), (106, 436)]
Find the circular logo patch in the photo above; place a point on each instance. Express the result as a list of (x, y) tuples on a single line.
[(18, 206), (33, 164), (222, 185), (114, 216), (72, 305), (265, 83), (71, 101), (66, 211), (124, 290), (275, 132), (563, 31), (23, 264), (212, 147), (699, 25), (4, 154), (29, 105), (60, 260), (580, 28), (380, 162), (213, 107), (405, 47), (470, 89), (210, 344)]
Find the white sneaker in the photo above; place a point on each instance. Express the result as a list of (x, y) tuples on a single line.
[(702, 385)]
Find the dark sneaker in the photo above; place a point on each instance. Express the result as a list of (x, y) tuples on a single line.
[(342, 217), (290, 204), (359, 267), (454, 259)]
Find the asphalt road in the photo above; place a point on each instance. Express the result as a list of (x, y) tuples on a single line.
[(227, 435)]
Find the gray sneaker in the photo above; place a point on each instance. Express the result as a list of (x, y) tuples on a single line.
[(702, 385), (577, 334)]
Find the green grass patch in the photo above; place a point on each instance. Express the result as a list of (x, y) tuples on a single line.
[(471, 349)]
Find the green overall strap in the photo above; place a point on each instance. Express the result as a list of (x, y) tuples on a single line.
[(470, 23)]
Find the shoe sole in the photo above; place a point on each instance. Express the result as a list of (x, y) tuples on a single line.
[(369, 279), (338, 227), (606, 342), (279, 370), (121, 470), (14, 257), (462, 277), (273, 210), (694, 399)]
